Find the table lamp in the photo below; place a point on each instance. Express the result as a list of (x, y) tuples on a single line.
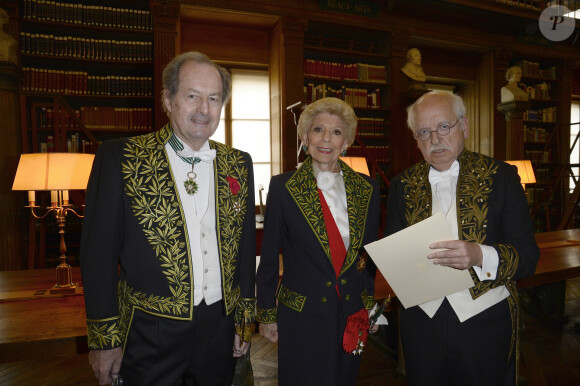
[(525, 171), (58, 173), (358, 164)]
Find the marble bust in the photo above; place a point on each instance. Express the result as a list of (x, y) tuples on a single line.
[(412, 68), (8, 45), (511, 91)]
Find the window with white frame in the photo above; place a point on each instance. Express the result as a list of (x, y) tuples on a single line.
[(245, 121)]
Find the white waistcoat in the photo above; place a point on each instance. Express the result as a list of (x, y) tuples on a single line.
[(199, 211)]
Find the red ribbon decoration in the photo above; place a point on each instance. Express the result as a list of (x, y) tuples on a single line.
[(337, 248), (357, 329), (357, 324)]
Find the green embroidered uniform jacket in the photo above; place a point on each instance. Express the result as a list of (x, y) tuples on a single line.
[(491, 210), (294, 224), (135, 252)]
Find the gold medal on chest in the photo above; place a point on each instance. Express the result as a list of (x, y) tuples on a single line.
[(190, 184)]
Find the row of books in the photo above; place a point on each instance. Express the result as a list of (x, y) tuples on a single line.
[(370, 127), (540, 91), (86, 14), (542, 173), (532, 69), (117, 118), (355, 72), (81, 83), (534, 134), (356, 97), (547, 114), (85, 48), (538, 156), (379, 153), (74, 144), (528, 4), (46, 118), (98, 118)]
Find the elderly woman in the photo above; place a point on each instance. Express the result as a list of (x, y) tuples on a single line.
[(319, 217)]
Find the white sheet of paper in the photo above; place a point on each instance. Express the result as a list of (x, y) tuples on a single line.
[(402, 259)]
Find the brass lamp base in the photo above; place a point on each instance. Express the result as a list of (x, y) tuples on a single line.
[(64, 284), (63, 290)]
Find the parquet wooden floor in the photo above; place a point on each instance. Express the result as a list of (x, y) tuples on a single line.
[(550, 355)]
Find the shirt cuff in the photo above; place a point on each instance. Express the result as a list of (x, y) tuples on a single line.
[(488, 269)]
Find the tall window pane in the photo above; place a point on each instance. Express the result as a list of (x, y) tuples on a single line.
[(250, 121), (574, 128), (250, 94), (220, 133), (254, 137)]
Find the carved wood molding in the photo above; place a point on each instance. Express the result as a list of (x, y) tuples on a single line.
[(294, 29), (165, 15), (513, 109)]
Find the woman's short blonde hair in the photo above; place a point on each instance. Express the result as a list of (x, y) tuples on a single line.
[(332, 106)]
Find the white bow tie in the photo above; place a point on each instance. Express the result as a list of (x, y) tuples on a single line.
[(435, 176), (326, 180), (204, 155)]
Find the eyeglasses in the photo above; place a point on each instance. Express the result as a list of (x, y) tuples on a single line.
[(442, 129)]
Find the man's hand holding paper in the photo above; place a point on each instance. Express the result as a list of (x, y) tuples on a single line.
[(457, 254), (403, 260)]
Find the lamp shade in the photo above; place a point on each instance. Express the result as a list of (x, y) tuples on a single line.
[(53, 171), (525, 171), (358, 164)]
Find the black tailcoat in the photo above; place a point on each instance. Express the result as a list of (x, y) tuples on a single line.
[(135, 253), (294, 226), (491, 210)]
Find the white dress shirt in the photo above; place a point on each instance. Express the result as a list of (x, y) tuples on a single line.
[(334, 192)]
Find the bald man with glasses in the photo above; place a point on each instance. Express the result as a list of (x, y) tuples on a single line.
[(469, 337)]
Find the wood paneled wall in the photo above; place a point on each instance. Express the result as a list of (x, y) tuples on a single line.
[(225, 43), (13, 215), (449, 63), (576, 82)]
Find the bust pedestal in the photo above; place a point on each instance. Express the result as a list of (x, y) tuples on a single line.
[(514, 111)]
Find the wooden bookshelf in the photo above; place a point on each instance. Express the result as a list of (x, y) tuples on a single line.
[(543, 140), (353, 64), (87, 76), (87, 73)]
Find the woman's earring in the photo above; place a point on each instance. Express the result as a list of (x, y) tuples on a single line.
[(305, 148), (343, 153)]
